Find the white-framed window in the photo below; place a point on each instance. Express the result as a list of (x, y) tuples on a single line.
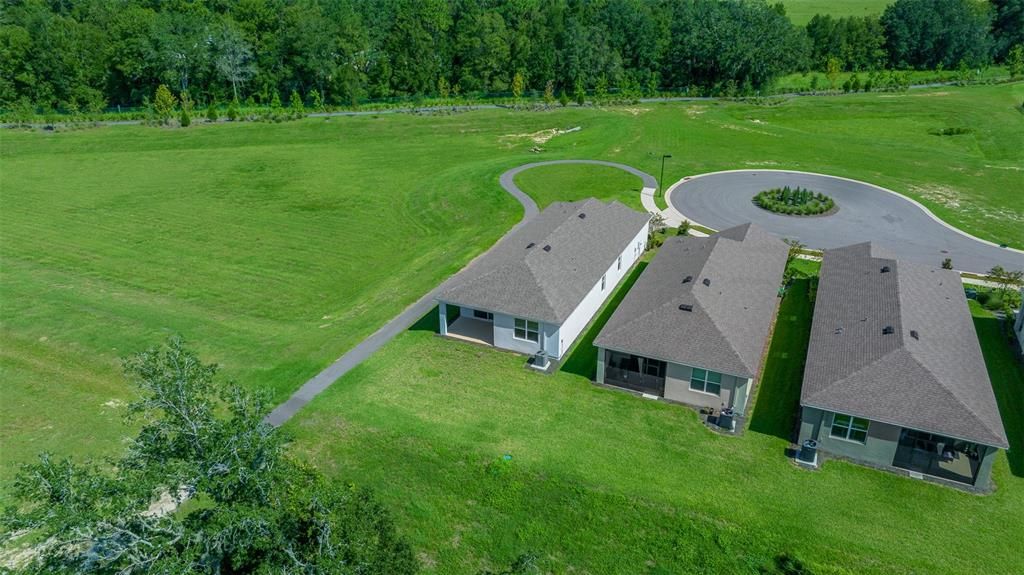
[(603, 279), (849, 428), (527, 330), (706, 381), (618, 263)]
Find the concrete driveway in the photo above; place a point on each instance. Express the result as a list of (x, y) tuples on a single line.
[(866, 213)]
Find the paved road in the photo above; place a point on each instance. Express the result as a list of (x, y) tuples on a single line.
[(413, 313), (866, 212)]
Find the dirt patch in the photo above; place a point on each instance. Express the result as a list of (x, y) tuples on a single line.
[(694, 111), (1015, 168), (542, 136), (636, 111), (942, 195), (762, 163)]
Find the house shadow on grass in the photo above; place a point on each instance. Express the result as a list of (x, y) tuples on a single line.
[(582, 358), (778, 395), (1007, 375), (430, 322)]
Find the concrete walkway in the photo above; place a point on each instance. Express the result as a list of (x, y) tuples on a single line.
[(413, 313), (866, 212)]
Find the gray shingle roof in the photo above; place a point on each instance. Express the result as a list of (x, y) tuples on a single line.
[(928, 374), (728, 326), (548, 284)]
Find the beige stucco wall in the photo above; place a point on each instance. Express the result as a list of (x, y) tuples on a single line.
[(677, 388)]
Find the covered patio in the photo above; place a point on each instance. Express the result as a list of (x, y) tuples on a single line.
[(473, 330), (938, 456)]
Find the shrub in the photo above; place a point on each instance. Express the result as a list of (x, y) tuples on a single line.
[(233, 112), (790, 201)]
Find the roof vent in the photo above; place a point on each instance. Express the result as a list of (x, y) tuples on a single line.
[(582, 216), (707, 281), (685, 307), (547, 248), (839, 330), (888, 330), (886, 269), (687, 279), (530, 245), (914, 334)]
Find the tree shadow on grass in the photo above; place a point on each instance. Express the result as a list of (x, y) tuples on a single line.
[(1007, 377), (778, 395), (582, 358)]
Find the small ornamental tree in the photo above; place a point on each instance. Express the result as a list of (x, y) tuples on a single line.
[(185, 116), (163, 104), (443, 88), (832, 70), (947, 264), (563, 99), (298, 109), (684, 228), (200, 438), (579, 94), (317, 100), (549, 92), (601, 89), (518, 86), (211, 111), (855, 84), (234, 113)]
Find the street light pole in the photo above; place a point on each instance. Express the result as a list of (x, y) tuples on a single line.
[(662, 178)]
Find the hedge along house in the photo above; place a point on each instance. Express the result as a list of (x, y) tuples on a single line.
[(695, 325), (537, 289), (895, 375)]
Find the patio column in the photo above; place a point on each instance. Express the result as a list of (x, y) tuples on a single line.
[(442, 311)]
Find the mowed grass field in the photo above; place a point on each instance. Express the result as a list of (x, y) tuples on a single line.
[(800, 12), (602, 481), (274, 248), (570, 182)]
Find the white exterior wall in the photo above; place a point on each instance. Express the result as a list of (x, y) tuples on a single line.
[(581, 316)]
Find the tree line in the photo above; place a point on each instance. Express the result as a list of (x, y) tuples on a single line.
[(89, 55)]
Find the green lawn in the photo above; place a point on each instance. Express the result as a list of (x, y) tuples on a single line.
[(274, 248), (801, 11), (568, 182), (602, 481)]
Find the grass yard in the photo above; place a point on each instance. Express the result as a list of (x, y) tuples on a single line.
[(274, 248), (601, 481), (800, 12), (569, 182)]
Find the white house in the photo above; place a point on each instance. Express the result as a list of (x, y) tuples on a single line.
[(541, 285)]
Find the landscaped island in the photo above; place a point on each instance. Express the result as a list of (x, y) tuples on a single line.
[(795, 201)]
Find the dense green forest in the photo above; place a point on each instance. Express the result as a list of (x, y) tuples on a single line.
[(71, 55)]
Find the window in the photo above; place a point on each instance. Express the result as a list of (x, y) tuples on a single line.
[(618, 263), (603, 278), (485, 315), (706, 381), (527, 330), (849, 428)]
